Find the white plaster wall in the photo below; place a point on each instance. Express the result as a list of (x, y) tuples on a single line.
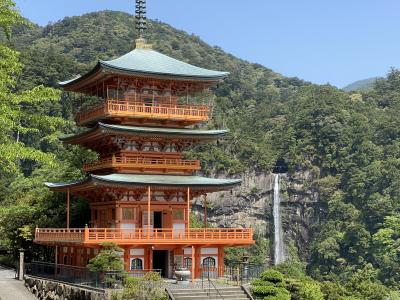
[(209, 251), (138, 252)]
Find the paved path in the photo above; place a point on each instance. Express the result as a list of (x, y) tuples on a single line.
[(11, 289)]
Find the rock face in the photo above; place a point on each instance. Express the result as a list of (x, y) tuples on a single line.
[(250, 205), (53, 290)]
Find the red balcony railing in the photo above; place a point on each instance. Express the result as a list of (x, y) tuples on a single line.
[(142, 110), (221, 236), (143, 163)]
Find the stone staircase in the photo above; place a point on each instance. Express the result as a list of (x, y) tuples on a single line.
[(225, 293)]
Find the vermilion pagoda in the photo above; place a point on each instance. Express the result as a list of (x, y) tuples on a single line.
[(140, 190)]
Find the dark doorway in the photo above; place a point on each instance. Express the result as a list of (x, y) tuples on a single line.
[(160, 261), (158, 219)]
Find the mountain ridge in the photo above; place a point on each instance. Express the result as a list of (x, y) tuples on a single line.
[(363, 85), (118, 42)]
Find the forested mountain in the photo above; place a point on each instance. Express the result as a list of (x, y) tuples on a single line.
[(348, 144), (364, 85)]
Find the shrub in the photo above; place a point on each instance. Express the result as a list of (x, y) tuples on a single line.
[(108, 259), (147, 287), (264, 290), (272, 276), (8, 261), (271, 292), (304, 289), (311, 290), (270, 286)]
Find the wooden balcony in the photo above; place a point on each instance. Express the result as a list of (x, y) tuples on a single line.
[(140, 236), (53, 234), (126, 111), (144, 164)]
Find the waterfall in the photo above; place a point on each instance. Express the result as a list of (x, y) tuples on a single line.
[(279, 253)]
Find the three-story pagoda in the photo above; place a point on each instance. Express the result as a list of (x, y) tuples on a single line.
[(141, 187)]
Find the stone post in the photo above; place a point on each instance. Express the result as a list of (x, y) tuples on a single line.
[(21, 264)]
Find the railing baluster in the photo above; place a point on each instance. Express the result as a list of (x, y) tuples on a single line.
[(99, 234), (197, 112)]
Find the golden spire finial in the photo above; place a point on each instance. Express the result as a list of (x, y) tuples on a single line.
[(141, 43)]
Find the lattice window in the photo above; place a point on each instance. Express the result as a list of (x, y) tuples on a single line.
[(209, 262), (145, 220), (128, 213), (137, 264), (187, 263), (178, 214)]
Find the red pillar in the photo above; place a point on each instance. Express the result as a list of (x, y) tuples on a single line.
[(55, 260), (127, 259), (205, 211), (148, 211), (188, 210), (68, 208), (193, 263), (221, 264), (148, 258), (197, 262)]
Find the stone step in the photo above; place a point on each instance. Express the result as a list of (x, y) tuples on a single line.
[(214, 298), (205, 294), (202, 297), (188, 295), (233, 288), (209, 291), (230, 293)]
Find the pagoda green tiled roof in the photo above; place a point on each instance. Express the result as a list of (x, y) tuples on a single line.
[(150, 62), (149, 131), (171, 181)]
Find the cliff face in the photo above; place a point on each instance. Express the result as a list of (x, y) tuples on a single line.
[(250, 205)]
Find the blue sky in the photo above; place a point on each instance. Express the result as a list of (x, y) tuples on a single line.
[(334, 41)]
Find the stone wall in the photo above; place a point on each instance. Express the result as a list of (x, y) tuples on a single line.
[(54, 290)]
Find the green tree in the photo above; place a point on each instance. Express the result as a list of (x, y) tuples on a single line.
[(387, 250), (9, 16), (27, 142), (19, 116), (108, 259)]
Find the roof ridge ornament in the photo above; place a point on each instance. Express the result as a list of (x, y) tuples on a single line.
[(141, 20), (141, 43), (141, 24)]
